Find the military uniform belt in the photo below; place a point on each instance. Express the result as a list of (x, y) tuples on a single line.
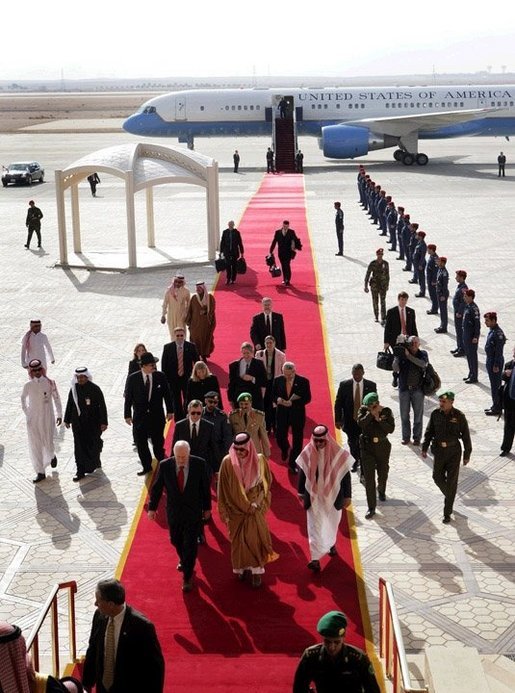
[(447, 443), (373, 439)]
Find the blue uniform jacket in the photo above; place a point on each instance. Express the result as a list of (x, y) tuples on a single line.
[(432, 269), (494, 345), (458, 302), (442, 282), (471, 322)]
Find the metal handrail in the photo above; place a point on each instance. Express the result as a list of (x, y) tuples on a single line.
[(391, 645), (52, 607)]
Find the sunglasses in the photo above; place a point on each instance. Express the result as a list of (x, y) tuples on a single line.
[(195, 413)]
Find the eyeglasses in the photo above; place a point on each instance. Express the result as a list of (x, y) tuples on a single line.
[(195, 413)]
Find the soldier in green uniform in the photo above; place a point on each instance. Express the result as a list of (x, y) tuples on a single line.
[(376, 422), (445, 428), (246, 419), (333, 666), (378, 277)]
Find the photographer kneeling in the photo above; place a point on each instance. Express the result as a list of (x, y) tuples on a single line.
[(410, 363)]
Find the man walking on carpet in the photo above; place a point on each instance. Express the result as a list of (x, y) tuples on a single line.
[(243, 500), (188, 502), (324, 488)]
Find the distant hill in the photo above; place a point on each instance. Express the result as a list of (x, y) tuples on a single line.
[(178, 83)]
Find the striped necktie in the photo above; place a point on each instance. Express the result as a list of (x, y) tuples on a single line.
[(109, 656)]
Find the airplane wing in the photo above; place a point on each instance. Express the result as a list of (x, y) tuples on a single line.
[(399, 126)]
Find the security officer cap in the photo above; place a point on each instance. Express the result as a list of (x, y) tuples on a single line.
[(491, 315), (446, 394), (332, 624), (371, 398), (244, 397)]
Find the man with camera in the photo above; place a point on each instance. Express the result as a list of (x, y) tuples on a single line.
[(410, 363)]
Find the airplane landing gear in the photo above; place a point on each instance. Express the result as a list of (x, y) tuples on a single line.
[(409, 159)]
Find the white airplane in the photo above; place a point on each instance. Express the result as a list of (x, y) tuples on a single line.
[(349, 122)]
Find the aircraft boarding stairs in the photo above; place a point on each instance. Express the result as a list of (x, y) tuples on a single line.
[(437, 670), (285, 143)]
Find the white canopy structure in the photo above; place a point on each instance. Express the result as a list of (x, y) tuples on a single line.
[(141, 166)]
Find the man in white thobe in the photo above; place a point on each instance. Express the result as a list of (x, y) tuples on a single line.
[(176, 302), (35, 346), (41, 405), (325, 488)]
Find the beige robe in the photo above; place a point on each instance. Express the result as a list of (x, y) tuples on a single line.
[(251, 543), (176, 309), (201, 320), (255, 427)]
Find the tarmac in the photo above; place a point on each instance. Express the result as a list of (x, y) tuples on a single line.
[(454, 584)]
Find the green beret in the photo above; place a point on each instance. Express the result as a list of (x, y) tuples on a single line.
[(446, 394), (332, 624), (244, 397), (371, 398)]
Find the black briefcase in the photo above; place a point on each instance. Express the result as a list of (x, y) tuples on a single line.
[(275, 271), (220, 264), (384, 360), (241, 265)]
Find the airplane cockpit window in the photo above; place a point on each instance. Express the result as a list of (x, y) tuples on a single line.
[(202, 108), (239, 108), (149, 109)]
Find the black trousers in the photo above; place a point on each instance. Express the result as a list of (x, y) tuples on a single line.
[(184, 535), (231, 268), (146, 427), (339, 236), (446, 471), (286, 419), (509, 430), (37, 231), (178, 387), (285, 267)]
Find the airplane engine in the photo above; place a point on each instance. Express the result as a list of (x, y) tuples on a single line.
[(349, 141)]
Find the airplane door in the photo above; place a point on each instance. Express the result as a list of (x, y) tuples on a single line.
[(180, 108)]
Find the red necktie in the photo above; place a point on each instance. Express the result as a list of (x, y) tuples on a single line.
[(180, 479), (180, 361), (403, 322)]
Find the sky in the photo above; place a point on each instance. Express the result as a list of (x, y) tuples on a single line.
[(123, 39)]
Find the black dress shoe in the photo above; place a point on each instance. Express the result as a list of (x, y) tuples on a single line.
[(314, 566), (370, 514), (201, 539), (39, 477), (420, 295), (78, 477), (406, 269), (142, 472), (466, 377), (333, 551), (53, 462), (446, 519), (412, 281), (179, 567), (339, 254), (355, 466), (432, 312), (440, 330), (458, 354), (492, 412), (453, 351), (381, 496), (504, 453), (256, 580), (293, 469), (470, 381), (187, 586)]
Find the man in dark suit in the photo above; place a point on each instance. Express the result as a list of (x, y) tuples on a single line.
[(284, 239), (124, 654), (200, 434), (188, 502), (222, 428), (346, 406), (145, 393), (290, 393), (247, 374), (399, 320), (231, 247), (178, 360), (265, 324)]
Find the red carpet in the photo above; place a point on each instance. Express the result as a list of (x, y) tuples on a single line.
[(224, 635)]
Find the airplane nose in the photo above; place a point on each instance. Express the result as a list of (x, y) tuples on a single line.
[(132, 124)]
